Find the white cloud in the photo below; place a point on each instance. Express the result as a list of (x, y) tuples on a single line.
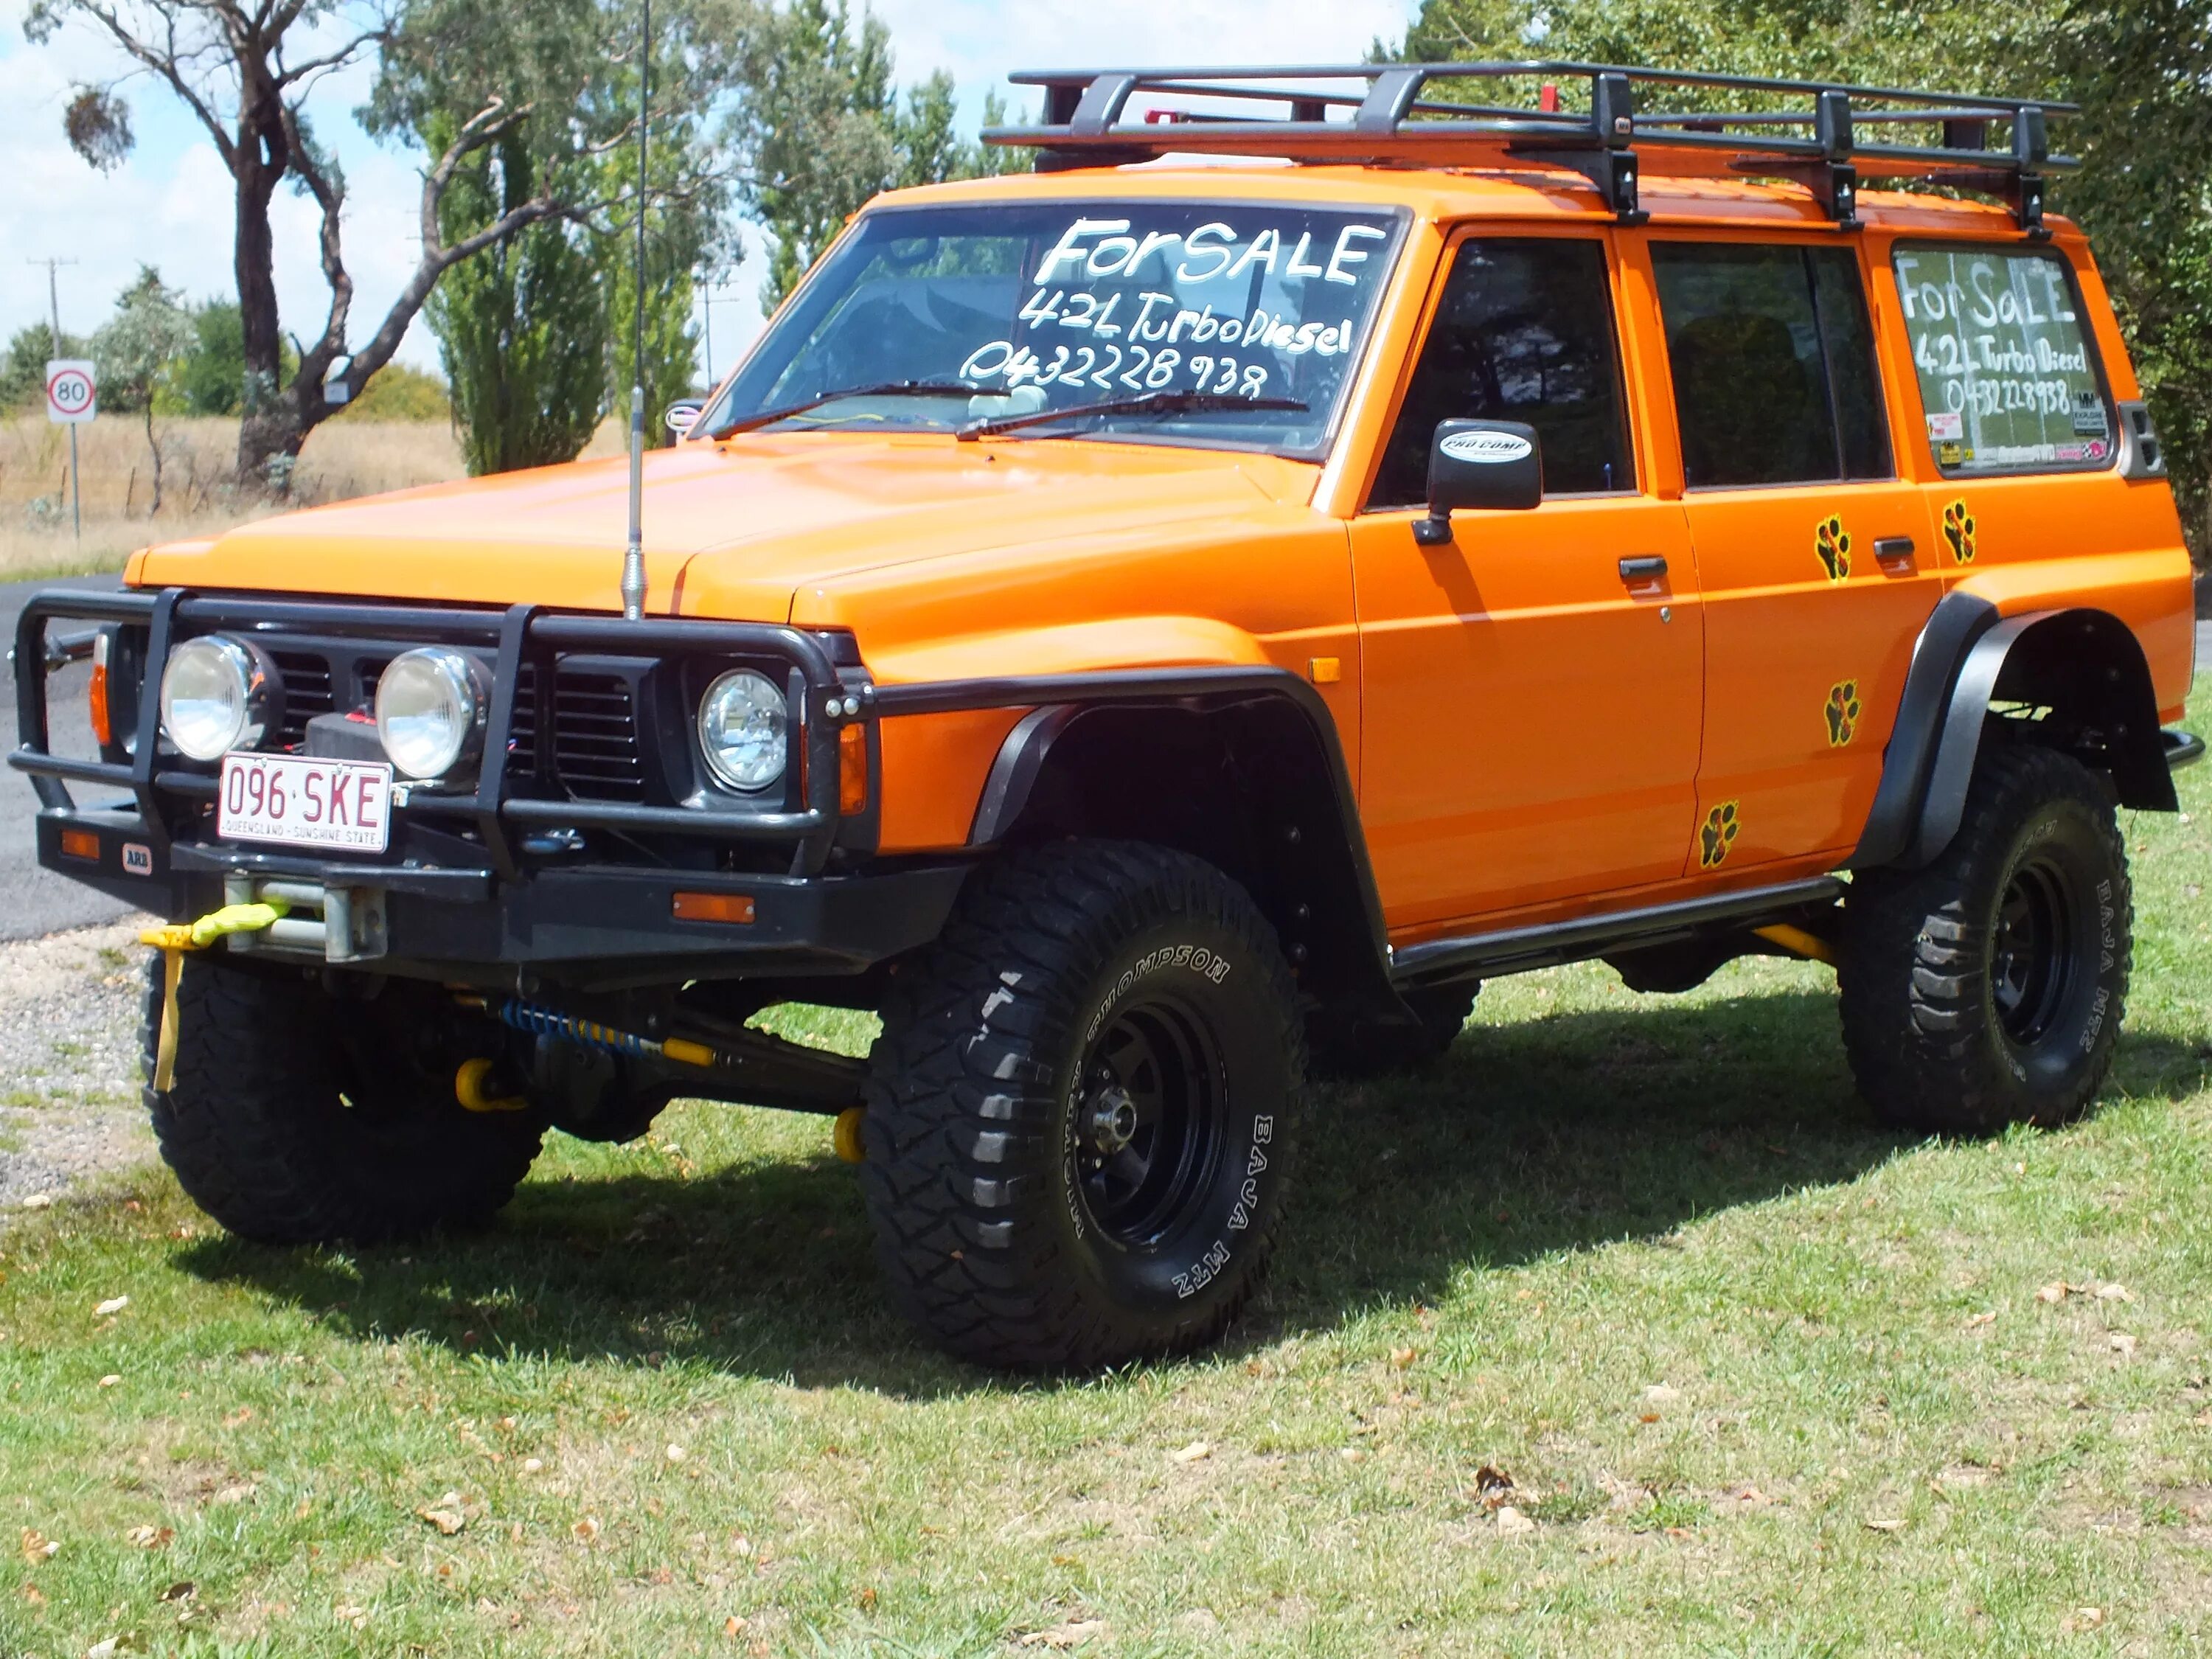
[(170, 204)]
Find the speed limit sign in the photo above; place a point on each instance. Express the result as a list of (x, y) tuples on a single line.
[(72, 391)]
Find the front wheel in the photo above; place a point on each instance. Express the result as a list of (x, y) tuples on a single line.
[(1988, 989), (1080, 1111), (299, 1117)]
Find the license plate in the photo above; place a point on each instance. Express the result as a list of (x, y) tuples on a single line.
[(304, 802)]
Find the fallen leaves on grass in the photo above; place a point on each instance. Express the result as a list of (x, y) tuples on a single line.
[(114, 1305), (587, 1529), (1491, 1484), (447, 1515), (1197, 1452), (675, 1454), (1511, 1523), (2121, 1344), (2054, 1293), (1659, 1394), (1885, 1523), (1070, 1633), (150, 1538), (38, 1547), (40, 1201), (1404, 1358), (2115, 1293), (1974, 1322)]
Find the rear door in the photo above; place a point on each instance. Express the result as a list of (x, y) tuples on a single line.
[(1529, 724), (1815, 561)]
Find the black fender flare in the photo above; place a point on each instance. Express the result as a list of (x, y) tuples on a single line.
[(2087, 664), (1277, 710)]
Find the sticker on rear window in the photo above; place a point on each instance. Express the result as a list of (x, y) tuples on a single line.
[(2007, 376)]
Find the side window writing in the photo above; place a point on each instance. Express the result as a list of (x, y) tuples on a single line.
[(1774, 364), (1524, 332)]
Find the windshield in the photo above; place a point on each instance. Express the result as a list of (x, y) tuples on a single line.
[(1054, 304)]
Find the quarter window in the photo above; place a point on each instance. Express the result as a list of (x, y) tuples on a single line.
[(2007, 380), (1774, 364), (1524, 332)]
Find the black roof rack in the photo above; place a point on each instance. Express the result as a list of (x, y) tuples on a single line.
[(1369, 113)]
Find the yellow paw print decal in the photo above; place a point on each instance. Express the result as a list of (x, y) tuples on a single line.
[(1833, 544), (1716, 834), (1958, 530), (1843, 713)]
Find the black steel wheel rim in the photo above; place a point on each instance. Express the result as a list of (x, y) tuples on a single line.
[(1147, 1126), (2032, 951)]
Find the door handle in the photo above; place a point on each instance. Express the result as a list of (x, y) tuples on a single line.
[(1893, 550), (1650, 568)]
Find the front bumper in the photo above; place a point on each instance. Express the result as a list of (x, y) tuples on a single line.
[(473, 886)]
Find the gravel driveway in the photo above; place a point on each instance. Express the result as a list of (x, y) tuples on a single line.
[(69, 1059)]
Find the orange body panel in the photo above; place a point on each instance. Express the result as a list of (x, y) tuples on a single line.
[(1531, 735)]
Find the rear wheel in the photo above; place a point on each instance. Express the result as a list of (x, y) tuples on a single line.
[(1988, 989), (298, 1117), (1080, 1111)]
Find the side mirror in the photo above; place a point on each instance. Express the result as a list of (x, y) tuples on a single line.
[(1494, 464)]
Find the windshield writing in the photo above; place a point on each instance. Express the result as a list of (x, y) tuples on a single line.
[(1043, 307)]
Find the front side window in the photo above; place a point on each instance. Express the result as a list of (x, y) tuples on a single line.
[(1052, 305), (1774, 364), (2007, 380), (1524, 332)]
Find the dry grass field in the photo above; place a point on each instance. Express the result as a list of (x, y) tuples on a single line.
[(344, 458)]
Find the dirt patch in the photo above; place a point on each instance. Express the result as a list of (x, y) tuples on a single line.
[(69, 1061)]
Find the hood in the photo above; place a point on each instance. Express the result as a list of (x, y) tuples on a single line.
[(730, 530)]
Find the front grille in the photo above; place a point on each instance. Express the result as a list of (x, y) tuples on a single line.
[(306, 692), (598, 750), (596, 746)]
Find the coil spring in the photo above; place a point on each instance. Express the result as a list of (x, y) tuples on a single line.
[(533, 1019)]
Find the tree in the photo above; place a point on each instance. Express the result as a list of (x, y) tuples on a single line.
[(246, 70), (135, 348), (211, 380), (522, 329), (23, 375), (819, 128), (2141, 72)]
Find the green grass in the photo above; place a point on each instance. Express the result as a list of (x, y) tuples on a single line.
[(1766, 1379)]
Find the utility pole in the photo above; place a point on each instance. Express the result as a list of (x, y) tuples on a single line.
[(54, 301), (711, 279)]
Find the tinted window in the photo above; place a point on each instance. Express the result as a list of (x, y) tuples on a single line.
[(1774, 364), (1524, 332), (2006, 378)]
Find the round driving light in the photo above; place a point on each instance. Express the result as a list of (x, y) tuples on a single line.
[(430, 711), (744, 728), (216, 693)]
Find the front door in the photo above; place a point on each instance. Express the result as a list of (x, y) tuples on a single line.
[(1529, 723), (1817, 564)]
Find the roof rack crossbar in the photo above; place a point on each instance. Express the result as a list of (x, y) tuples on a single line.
[(1391, 112)]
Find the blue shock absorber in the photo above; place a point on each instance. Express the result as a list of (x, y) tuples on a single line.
[(534, 1020)]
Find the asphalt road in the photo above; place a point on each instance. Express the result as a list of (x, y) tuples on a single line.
[(34, 901)]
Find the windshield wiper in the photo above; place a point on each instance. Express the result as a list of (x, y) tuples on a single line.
[(882, 389), (1148, 402)]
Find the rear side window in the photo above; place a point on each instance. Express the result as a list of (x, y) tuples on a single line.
[(2007, 379), (1774, 364), (1524, 332)]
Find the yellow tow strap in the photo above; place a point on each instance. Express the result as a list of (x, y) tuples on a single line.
[(172, 941)]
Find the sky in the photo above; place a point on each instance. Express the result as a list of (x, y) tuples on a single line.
[(170, 205)]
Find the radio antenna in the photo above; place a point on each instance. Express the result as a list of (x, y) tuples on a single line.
[(633, 575)]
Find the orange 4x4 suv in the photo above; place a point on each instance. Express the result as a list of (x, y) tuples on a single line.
[(1141, 626)]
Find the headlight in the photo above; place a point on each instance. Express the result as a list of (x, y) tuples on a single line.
[(430, 712), (744, 728), (218, 694)]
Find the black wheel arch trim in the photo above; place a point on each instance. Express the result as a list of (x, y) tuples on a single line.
[(1057, 705), (1960, 669)]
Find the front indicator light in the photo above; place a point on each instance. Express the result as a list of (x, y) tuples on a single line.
[(736, 908), (744, 730), (430, 710), (853, 770), (217, 694), (103, 727)]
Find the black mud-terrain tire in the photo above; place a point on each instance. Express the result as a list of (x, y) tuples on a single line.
[(1988, 989), (294, 1120), (1021, 1218)]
